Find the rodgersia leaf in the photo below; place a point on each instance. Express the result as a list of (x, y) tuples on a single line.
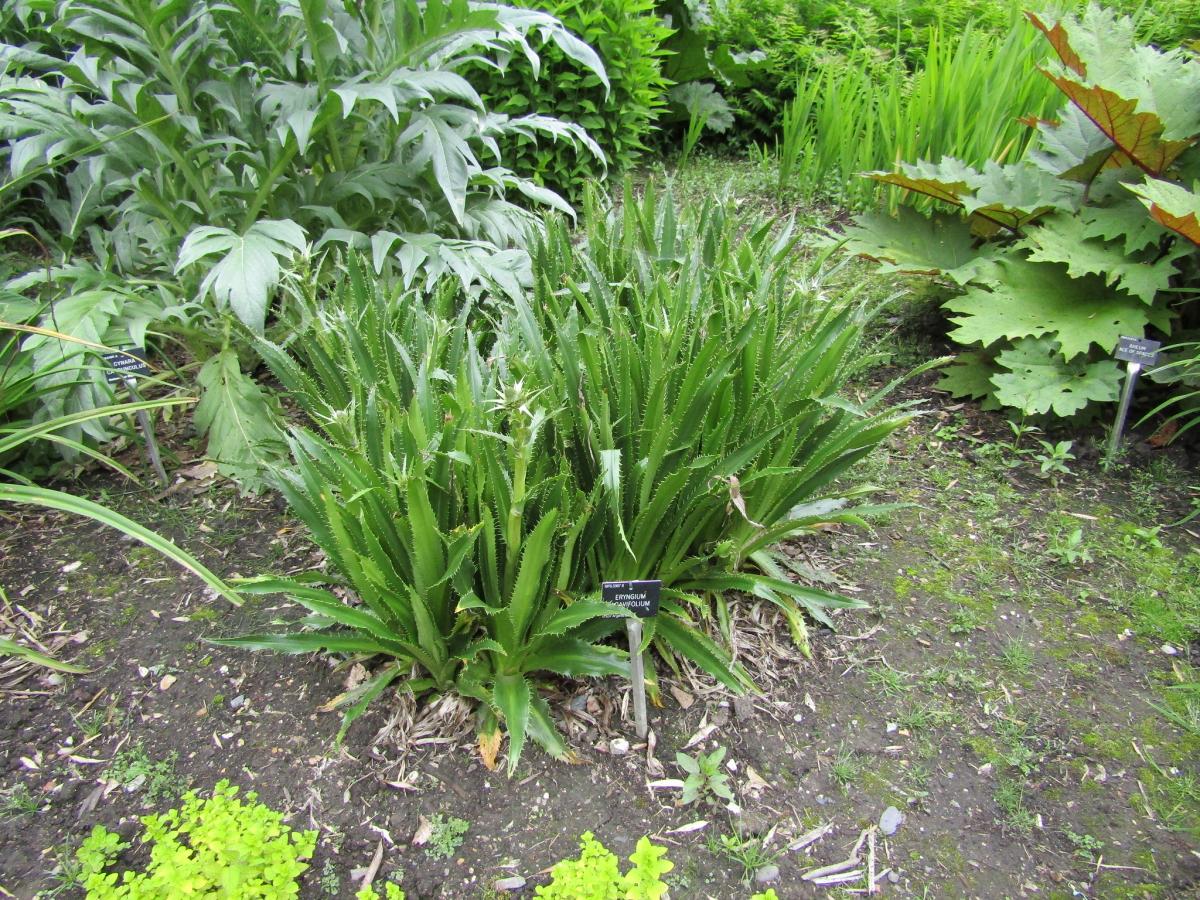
[(249, 268), (1040, 299), (1039, 381), (947, 180)]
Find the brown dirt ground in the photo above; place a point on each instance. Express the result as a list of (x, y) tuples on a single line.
[(830, 741)]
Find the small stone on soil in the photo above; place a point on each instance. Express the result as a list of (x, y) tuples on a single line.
[(891, 820), (743, 708), (767, 874), (512, 883)]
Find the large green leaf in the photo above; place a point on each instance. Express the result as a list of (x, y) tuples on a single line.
[(249, 267), (511, 697), (1039, 381), (1172, 205), (912, 243), (1034, 299), (1064, 239), (235, 414)]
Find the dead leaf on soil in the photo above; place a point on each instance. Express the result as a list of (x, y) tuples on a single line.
[(682, 697), (690, 827), (166, 682), (489, 746), (424, 832)]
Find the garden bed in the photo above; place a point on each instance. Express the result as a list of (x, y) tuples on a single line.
[(1000, 692)]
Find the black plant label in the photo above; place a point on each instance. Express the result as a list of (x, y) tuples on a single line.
[(639, 597), (1138, 350), (125, 364)]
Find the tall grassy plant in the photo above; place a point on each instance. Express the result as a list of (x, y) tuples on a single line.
[(967, 98)]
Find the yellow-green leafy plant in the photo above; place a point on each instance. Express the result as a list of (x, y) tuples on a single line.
[(596, 873), (391, 891), (221, 846)]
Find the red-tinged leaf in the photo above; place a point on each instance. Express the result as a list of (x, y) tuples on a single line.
[(1137, 134), (1172, 206), (1060, 41), (946, 181)]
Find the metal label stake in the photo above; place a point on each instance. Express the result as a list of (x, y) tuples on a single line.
[(1137, 352), (125, 365), (637, 675), (640, 598)]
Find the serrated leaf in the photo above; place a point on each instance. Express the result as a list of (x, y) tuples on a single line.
[(1063, 239), (249, 267), (1038, 299), (1138, 135), (235, 414), (1172, 206), (911, 243), (1124, 220), (1039, 381), (947, 180), (1073, 147), (969, 376), (1014, 195)]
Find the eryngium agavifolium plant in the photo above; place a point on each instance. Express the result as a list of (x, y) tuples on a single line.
[(669, 403), (700, 371), (431, 491)]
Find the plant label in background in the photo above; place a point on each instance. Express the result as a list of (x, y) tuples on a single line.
[(640, 597), (1138, 350), (125, 364)]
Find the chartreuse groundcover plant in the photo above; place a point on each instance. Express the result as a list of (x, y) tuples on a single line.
[(1087, 238), (667, 405), (222, 846), (596, 874), (207, 147)]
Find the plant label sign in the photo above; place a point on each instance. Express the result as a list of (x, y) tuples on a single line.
[(1138, 350), (125, 364), (640, 597)]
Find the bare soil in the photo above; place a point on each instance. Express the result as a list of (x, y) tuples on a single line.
[(1001, 698)]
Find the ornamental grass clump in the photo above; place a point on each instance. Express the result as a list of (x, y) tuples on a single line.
[(667, 404)]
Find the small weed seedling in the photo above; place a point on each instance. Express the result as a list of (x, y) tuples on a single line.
[(1010, 799), (845, 768), (1086, 847), (1017, 657), (1071, 550), (446, 835), (331, 881), (749, 853), (887, 680), (705, 779), (964, 621), (133, 769), (17, 802), (1053, 459)]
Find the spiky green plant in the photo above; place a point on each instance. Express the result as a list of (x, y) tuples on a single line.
[(435, 501)]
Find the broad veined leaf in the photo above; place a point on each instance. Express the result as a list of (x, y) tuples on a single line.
[(440, 145), (704, 103), (1063, 239), (1073, 147), (915, 244), (1124, 220), (947, 180), (970, 375), (243, 437), (1035, 299), (1171, 205), (249, 267), (1039, 381), (1014, 195), (1099, 48), (1139, 135)]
